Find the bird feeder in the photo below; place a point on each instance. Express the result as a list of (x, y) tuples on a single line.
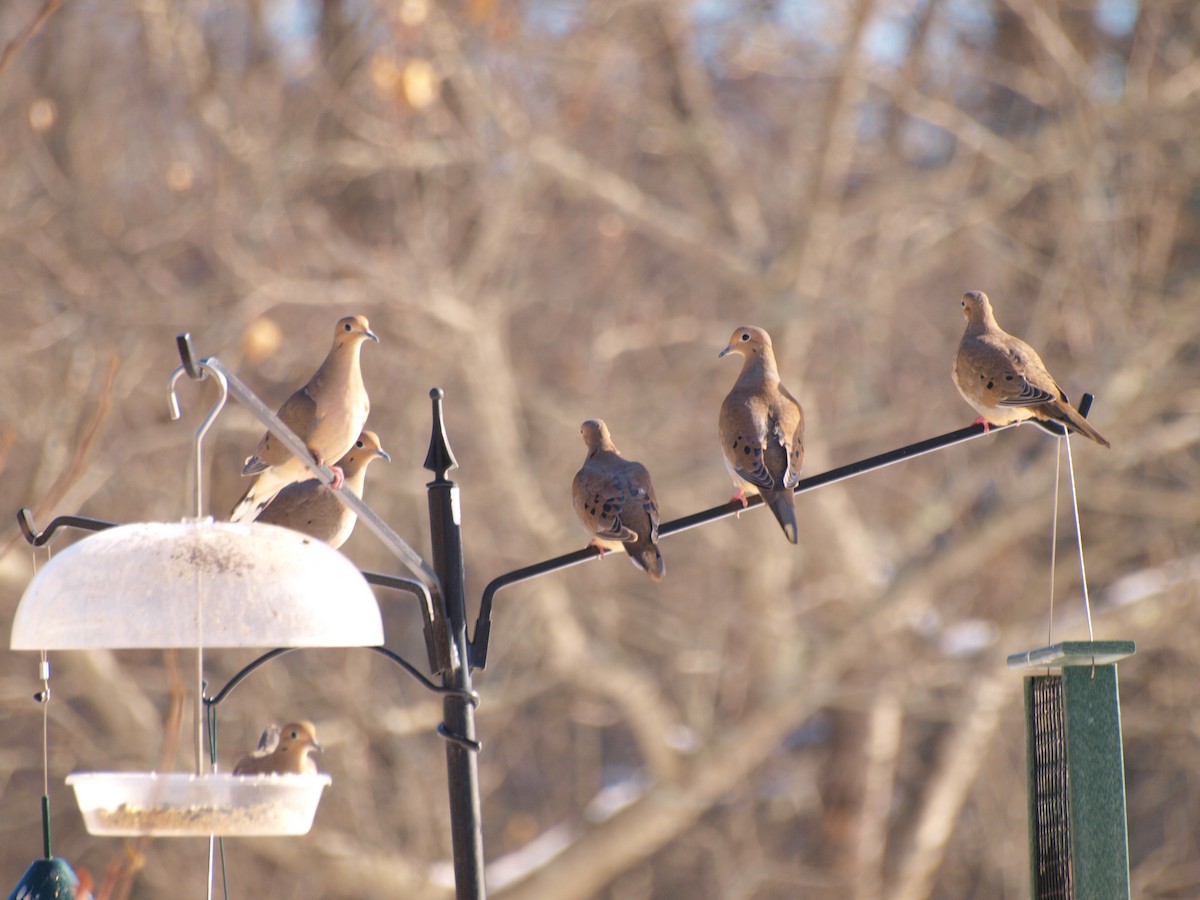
[(197, 583), (1078, 837), (202, 584)]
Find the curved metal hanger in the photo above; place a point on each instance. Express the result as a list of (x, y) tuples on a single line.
[(198, 372)]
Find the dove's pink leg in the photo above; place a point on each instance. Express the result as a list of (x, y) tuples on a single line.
[(740, 496), (339, 477), (987, 426)]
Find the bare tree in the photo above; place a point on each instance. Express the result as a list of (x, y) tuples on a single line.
[(557, 211)]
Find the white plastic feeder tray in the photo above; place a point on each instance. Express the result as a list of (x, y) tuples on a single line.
[(177, 804)]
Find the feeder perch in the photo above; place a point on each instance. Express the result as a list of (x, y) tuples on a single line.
[(178, 804), (1078, 837), (197, 583)]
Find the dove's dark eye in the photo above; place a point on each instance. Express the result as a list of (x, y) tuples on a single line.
[(745, 335), (359, 445), (348, 327)]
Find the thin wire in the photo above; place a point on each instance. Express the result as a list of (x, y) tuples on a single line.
[(1054, 539), (199, 715), (44, 671), (44, 699), (1087, 604), (210, 718)]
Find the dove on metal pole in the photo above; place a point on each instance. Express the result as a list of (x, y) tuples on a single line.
[(762, 429), (327, 413), (615, 502), (409, 557), (310, 507), (1005, 379)]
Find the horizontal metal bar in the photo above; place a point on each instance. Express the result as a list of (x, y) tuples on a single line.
[(470, 696), (244, 672), (39, 538), (432, 615), (483, 626), (409, 585)]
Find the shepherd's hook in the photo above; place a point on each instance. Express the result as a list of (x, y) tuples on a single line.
[(203, 371)]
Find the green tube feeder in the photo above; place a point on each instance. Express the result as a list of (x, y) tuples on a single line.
[(1078, 837)]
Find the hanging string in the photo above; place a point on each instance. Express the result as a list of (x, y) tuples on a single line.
[(1087, 604), (1054, 541)]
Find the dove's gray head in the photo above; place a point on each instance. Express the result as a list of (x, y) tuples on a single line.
[(298, 737), (355, 328), (748, 340), (595, 435), (365, 449), (976, 306)]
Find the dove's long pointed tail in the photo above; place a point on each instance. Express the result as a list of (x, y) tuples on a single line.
[(783, 505), (1068, 415), (255, 500), (646, 557)]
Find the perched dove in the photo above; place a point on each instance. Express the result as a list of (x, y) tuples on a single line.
[(614, 500), (282, 753), (1005, 379), (327, 414), (310, 506), (762, 429)]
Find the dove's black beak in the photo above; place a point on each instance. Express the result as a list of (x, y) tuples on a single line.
[(371, 335), (726, 350), (383, 454)]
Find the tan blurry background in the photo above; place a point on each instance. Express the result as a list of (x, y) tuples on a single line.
[(560, 210)]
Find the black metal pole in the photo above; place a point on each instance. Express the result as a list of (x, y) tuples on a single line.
[(462, 769)]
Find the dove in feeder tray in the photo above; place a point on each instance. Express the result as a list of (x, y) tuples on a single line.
[(282, 751), (327, 414), (762, 429), (1005, 379), (309, 506), (615, 501)]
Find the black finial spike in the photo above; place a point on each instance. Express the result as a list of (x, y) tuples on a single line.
[(440, 458)]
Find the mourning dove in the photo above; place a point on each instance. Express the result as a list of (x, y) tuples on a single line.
[(1005, 379), (614, 500), (762, 429), (309, 506), (327, 414), (290, 755)]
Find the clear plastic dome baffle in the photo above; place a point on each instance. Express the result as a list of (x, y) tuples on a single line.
[(197, 583)]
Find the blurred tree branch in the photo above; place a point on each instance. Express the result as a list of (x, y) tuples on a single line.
[(13, 47)]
